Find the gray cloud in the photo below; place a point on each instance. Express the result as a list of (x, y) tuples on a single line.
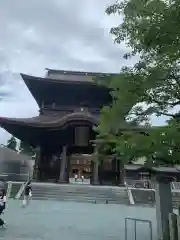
[(61, 34), (51, 29)]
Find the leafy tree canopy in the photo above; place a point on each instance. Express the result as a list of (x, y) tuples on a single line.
[(12, 143), (150, 28)]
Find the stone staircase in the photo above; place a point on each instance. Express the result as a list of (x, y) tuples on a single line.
[(76, 193), (91, 194), (79, 193)]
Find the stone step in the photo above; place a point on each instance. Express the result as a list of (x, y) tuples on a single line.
[(79, 193), (106, 197), (87, 193), (73, 189), (78, 190), (84, 195), (83, 200), (76, 193), (79, 199)]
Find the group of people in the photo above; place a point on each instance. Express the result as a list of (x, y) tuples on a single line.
[(27, 197), (76, 178)]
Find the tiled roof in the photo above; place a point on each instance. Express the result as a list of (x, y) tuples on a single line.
[(136, 167), (80, 73), (83, 80), (51, 121)]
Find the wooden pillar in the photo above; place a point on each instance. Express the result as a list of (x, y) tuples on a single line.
[(118, 177), (36, 164), (120, 172), (39, 164), (63, 165), (42, 163), (67, 168), (56, 166), (101, 168), (114, 172), (96, 173), (95, 169), (49, 166)]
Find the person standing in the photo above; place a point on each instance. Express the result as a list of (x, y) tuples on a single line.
[(2, 206), (27, 194), (82, 178), (76, 177)]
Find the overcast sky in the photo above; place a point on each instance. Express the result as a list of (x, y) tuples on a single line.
[(60, 34)]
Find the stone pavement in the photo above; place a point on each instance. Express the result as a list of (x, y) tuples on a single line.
[(46, 220)]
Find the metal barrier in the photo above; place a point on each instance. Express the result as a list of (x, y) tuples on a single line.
[(8, 193), (130, 196), (136, 220), (175, 186), (21, 190)]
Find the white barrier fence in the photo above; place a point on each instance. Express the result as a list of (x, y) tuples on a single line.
[(175, 186)]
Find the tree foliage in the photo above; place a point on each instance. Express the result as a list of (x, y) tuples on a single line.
[(152, 86), (12, 143)]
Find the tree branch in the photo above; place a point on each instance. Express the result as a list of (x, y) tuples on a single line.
[(152, 100), (176, 149), (167, 114)]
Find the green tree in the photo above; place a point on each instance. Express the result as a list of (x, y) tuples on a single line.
[(12, 143), (26, 148), (151, 86)]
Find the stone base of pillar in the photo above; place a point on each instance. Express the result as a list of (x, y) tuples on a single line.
[(95, 183), (39, 176), (121, 185), (63, 181)]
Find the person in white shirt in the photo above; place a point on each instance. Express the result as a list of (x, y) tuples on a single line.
[(27, 194), (82, 178), (2, 205), (76, 177)]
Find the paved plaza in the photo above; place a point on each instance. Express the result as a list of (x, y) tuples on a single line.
[(46, 220)]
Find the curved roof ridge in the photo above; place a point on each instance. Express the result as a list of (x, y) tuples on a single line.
[(27, 77), (39, 121)]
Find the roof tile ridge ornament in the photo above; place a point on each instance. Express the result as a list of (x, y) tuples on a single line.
[(28, 78), (78, 72)]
